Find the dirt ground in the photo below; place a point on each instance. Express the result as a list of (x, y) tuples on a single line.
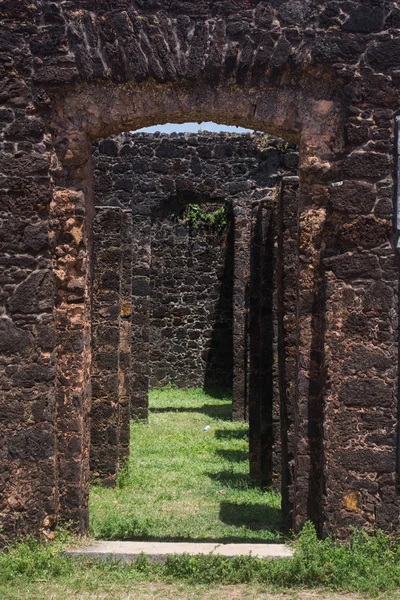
[(159, 591)]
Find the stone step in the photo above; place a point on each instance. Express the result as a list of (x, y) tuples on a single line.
[(128, 552)]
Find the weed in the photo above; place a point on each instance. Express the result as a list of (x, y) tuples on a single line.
[(197, 217)]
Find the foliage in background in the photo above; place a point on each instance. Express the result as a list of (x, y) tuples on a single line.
[(196, 217)]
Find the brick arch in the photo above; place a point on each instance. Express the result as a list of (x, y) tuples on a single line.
[(315, 74)]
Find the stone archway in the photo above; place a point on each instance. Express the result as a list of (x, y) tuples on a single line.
[(75, 159), (315, 76)]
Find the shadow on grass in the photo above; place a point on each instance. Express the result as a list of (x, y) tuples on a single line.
[(234, 481), (226, 539), (233, 456), (231, 434), (221, 411), (253, 517), (219, 393), (257, 517)]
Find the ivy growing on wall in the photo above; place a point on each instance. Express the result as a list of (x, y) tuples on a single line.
[(197, 217)]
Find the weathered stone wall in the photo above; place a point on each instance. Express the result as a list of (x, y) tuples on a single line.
[(324, 75), (111, 342), (191, 278), (158, 174)]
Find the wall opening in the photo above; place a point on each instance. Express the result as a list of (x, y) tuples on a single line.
[(185, 301)]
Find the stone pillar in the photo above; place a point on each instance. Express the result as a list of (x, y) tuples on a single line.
[(73, 354), (105, 412), (141, 256), (322, 140), (28, 479), (262, 379), (242, 215), (125, 339), (287, 284), (361, 334), (310, 368)]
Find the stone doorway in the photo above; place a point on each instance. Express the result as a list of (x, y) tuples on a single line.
[(154, 263), (324, 79)]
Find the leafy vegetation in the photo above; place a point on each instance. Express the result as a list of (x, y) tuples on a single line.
[(197, 217), (184, 483)]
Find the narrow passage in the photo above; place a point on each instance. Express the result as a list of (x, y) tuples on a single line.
[(186, 478)]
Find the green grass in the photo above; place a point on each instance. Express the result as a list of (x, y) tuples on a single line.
[(184, 483), (368, 565)]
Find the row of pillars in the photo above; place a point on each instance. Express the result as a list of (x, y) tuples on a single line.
[(264, 305)]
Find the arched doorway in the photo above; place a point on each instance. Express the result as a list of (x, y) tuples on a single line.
[(81, 72)]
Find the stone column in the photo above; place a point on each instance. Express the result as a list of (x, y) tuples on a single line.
[(310, 368), (242, 215), (72, 314), (141, 256), (125, 339), (262, 380), (361, 333), (28, 448), (287, 284), (105, 412), (322, 139)]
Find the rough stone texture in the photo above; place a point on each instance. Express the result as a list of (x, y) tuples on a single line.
[(323, 75), (125, 340), (262, 385), (191, 298), (287, 256), (111, 342), (191, 311), (242, 214), (141, 265), (105, 343)]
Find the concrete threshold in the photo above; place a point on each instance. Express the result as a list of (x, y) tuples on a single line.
[(128, 552)]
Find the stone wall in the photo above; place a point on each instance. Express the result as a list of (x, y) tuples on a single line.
[(191, 278)]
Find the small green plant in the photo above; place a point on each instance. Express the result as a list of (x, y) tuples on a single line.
[(197, 217), (264, 140), (283, 146)]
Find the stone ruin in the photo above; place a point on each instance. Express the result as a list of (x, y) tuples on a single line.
[(324, 76)]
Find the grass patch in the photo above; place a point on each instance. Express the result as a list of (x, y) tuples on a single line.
[(369, 565), (184, 483)]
